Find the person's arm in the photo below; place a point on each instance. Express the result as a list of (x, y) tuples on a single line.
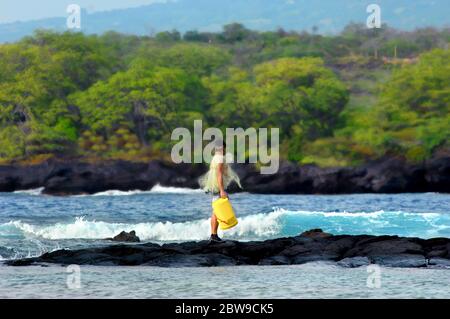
[(219, 174)]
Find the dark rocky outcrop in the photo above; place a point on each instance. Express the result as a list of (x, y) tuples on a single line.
[(126, 237), (345, 250), (389, 175), (315, 233), (72, 177)]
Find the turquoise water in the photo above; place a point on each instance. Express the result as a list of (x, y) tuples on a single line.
[(31, 223)]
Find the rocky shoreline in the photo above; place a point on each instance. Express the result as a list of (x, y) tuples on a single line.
[(74, 177), (315, 245)]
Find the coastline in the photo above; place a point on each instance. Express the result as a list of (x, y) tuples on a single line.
[(77, 177), (348, 251)]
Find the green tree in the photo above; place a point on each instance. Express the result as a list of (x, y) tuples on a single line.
[(196, 59), (413, 112), (145, 101), (168, 36)]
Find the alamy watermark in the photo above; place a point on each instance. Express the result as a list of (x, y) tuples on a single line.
[(374, 19), (74, 19), (243, 146), (74, 277), (374, 277)]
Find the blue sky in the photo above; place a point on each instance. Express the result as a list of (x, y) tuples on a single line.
[(23, 10)]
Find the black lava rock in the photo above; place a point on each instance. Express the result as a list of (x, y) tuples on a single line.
[(345, 250), (388, 175), (126, 237)]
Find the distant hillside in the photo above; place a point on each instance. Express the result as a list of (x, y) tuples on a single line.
[(329, 16)]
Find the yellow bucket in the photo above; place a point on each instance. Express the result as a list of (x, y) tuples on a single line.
[(225, 214)]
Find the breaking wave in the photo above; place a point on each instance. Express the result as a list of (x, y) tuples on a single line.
[(278, 223)]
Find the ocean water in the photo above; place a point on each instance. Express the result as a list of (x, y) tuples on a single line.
[(32, 223), (313, 280)]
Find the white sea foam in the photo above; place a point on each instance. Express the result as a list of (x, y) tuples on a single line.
[(336, 214), (174, 190), (256, 226), (253, 226), (34, 192), (157, 189), (118, 193)]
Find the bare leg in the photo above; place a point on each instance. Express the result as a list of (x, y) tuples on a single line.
[(214, 224)]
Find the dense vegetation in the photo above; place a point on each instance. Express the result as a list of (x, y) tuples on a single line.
[(338, 100)]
